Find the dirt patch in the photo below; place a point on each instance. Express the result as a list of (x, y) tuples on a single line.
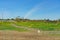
[(15, 35)]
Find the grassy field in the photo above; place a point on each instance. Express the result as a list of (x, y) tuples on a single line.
[(49, 31), (45, 26), (8, 26)]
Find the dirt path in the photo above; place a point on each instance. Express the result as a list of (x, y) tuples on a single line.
[(30, 29), (32, 35), (37, 30), (15, 35)]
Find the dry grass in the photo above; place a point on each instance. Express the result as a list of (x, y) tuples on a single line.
[(15, 35)]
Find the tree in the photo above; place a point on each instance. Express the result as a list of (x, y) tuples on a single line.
[(17, 19)]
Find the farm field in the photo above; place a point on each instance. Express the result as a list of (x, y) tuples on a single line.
[(45, 26), (8, 26), (29, 19), (29, 31)]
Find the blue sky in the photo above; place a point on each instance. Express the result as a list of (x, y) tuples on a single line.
[(31, 9)]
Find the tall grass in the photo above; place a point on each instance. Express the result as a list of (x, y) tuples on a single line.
[(8, 26), (47, 26)]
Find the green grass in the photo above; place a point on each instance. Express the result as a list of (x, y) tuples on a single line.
[(46, 26), (38, 25), (8, 26)]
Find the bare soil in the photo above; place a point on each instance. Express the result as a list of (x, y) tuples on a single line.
[(15, 35)]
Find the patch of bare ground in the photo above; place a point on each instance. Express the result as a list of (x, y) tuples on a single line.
[(15, 35)]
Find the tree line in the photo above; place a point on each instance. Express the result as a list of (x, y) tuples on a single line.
[(18, 19)]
